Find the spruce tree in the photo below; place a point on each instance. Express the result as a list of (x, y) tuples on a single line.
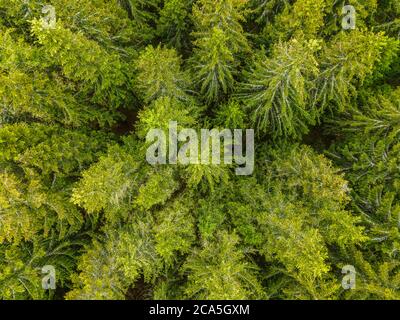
[(81, 89)]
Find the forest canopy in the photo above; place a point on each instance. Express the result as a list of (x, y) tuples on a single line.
[(83, 82)]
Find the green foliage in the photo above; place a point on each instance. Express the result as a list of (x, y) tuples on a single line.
[(378, 281), (160, 75), (214, 65), (346, 64), (142, 14), (161, 112), (76, 192), (304, 16), (101, 278), (39, 165), (174, 23), (99, 74), (276, 90), (174, 230), (21, 267), (227, 15), (306, 176), (149, 193), (107, 185), (231, 115), (219, 40), (218, 270), (372, 147)]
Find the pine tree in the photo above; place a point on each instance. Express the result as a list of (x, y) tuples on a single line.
[(80, 92), (175, 23), (276, 90), (219, 41), (218, 270), (160, 75)]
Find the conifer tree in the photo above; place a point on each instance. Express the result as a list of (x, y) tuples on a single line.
[(175, 23), (80, 91), (160, 75), (219, 41), (276, 90)]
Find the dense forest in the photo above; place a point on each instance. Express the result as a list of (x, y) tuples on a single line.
[(84, 215)]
